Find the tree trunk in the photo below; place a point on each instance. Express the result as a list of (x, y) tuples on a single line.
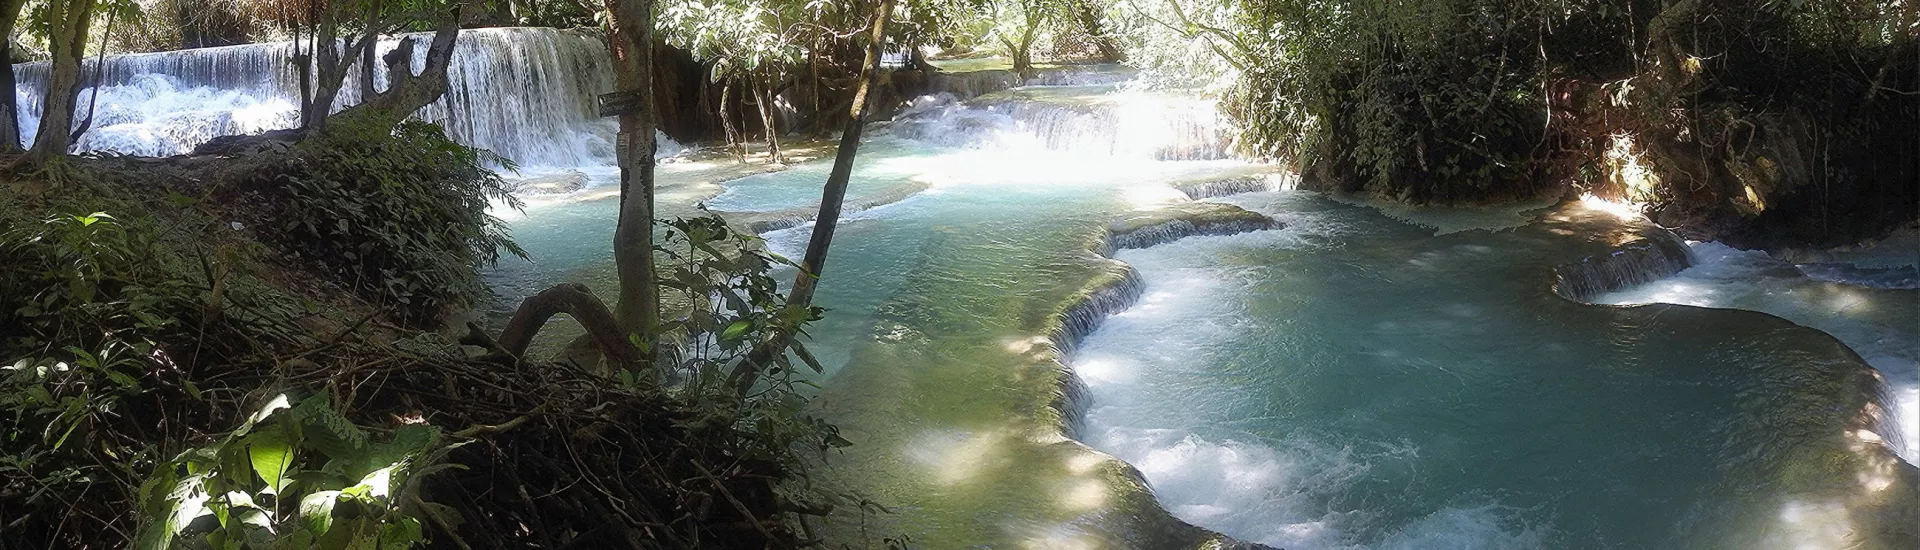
[(366, 62), (303, 62), (815, 261), (1089, 16), (68, 43), (764, 99), (631, 42), (726, 122), (1023, 55), (9, 100), (328, 72), (408, 92), (99, 79)]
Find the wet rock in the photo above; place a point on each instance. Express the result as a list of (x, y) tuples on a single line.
[(551, 184)]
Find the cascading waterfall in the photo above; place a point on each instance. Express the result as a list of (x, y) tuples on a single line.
[(1180, 229), (526, 94), (1660, 254), (1214, 188), (1082, 75), (971, 84), (1093, 121)]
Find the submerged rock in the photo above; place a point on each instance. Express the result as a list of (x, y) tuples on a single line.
[(762, 222), (551, 184)]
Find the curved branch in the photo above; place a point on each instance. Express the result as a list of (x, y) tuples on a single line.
[(574, 300)]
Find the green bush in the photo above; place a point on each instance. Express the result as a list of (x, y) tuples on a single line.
[(294, 476), (87, 305), (400, 216)]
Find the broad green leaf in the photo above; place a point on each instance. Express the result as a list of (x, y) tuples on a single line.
[(377, 484), (736, 330), (237, 499), (316, 511), (258, 526), (278, 402), (408, 441), (271, 456), (328, 431)]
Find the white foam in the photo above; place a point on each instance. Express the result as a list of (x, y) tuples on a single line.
[(1271, 492)]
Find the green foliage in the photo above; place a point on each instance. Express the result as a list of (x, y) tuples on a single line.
[(398, 215), (88, 300), (741, 36), (1423, 100), (294, 476), (735, 308), (1448, 100), (102, 319)]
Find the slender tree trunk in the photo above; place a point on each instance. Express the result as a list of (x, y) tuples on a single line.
[(366, 64), (9, 100), (764, 98), (835, 192), (99, 79), (303, 64), (726, 122), (68, 43), (1023, 56), (815, 261), (638, 311)]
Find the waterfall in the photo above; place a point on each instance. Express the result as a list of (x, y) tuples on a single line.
[(1221, 187), (1637, 262), (1082, 75), (526, 94), (971, 84), (1174, 230), (1077, 120)]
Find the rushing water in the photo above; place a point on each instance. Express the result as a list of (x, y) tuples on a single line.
[(1352, 381), (1875, 309), (524, 93), (1350, 378)]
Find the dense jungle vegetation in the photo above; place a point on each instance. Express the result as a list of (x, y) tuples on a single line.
[(270, 343)]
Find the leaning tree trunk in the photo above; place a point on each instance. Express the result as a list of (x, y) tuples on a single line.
[(815, 261), (99, 79), (631, 42), (9, 100), (67, 41), (764, 98), (408, 92)]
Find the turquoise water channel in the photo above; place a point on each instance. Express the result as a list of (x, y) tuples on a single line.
[(1348, 380)]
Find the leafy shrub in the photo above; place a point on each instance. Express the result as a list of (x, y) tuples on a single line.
[(399, 215), (294, 476), (86, 302), (735, 309)]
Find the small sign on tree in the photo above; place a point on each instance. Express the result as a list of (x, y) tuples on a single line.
[(618, 103)]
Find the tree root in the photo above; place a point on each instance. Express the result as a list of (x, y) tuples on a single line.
[(574, 300)]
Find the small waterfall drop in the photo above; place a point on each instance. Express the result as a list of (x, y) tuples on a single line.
[(1640, 261), (526, 94)]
